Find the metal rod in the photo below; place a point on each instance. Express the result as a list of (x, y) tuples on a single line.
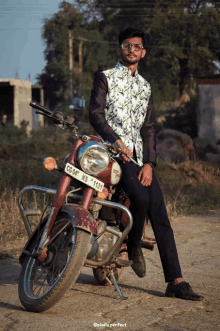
[(79, 197), (24, 212), (33, 212), (116, 285), (114, 231)]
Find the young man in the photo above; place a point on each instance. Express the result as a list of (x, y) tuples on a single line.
[(120, 111)]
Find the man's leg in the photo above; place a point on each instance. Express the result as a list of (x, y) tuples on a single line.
[(139, 199), (149, 200), (163, 232)]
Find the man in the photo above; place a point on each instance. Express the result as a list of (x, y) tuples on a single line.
[(4, 120), (120, 111)]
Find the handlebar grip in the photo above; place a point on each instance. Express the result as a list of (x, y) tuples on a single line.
[(41, 107)]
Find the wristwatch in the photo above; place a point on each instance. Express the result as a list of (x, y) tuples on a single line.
[(153, 165)]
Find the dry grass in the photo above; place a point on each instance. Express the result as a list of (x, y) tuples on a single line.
[(12, 230), (11, 225), (189, 188)]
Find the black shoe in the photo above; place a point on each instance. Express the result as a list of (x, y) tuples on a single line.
[(138, 264), (183, 291)]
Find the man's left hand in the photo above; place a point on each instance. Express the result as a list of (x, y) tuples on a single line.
[(145, 175)]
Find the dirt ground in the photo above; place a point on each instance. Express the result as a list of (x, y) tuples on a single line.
[(87, 306)]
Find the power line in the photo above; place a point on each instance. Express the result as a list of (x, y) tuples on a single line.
[(22, 11), (27, 29), (138, 10), (148, 46), (162, 15), (167, 15), (145, 5), (98, 6), (146, 2)]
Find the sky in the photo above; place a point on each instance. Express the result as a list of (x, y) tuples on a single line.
[(21, 44)]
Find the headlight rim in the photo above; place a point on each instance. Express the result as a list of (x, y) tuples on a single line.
[(80, 155)]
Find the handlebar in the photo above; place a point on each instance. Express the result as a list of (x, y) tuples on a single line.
[(55, 115), (41, 107), (116, 149), (68, 121)]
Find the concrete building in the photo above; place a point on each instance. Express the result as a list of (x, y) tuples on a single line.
[(15, 97), (38, 96), (208, 117)]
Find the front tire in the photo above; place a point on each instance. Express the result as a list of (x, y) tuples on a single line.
[(42, 284)]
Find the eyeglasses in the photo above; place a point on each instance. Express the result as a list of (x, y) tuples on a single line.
[(127, 46)]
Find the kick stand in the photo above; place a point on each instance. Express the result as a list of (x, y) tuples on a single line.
[(112, 277)]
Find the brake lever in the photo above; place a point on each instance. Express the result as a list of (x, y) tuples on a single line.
[(131, 159), (68, 121), (57, 118), (116, 149)]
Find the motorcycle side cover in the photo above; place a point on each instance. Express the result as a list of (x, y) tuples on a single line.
[(79, 216)]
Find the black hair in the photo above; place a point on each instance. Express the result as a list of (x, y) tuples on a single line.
[(130, 33)]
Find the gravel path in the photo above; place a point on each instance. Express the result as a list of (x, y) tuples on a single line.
[(87, 306)]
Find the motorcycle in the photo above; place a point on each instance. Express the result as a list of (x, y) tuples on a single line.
[(87, 224)]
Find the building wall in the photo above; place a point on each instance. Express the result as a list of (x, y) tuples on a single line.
[(38, 96), (15, 97), (208, 117), (22, 98)]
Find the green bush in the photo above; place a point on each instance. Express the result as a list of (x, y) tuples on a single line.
[(188, 187), (12, 134), (21, 157)]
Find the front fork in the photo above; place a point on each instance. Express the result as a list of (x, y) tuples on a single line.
[(45, 238), (58, 202)]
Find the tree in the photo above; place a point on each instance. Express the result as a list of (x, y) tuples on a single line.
[(183, 38), (183, 42), (182, 35), (56, 77)]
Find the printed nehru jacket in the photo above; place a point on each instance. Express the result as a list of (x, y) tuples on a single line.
[(121, 108)]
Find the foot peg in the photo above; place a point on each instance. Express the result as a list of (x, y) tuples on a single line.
[(120, 263), (147, 246), (148, 243)]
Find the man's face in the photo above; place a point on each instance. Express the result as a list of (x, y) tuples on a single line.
[(130, 56)]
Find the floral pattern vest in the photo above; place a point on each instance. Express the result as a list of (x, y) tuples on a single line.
[(126, 106)]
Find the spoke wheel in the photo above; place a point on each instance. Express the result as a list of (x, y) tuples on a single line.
[(42, 284)]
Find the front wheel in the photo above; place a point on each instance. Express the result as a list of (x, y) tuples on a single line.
[(42, 284)]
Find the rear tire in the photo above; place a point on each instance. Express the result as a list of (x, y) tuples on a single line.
[(42, 284)]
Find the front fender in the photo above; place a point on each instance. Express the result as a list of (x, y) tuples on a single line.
[(80, 217)]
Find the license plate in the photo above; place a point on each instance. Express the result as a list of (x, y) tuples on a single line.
[(82, 177)]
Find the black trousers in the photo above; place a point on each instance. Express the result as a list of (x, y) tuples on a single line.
[(148, 202)]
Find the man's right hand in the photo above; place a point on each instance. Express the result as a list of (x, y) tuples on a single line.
[(125, 150)]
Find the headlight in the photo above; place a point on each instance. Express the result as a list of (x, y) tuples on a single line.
[(93, 158)]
